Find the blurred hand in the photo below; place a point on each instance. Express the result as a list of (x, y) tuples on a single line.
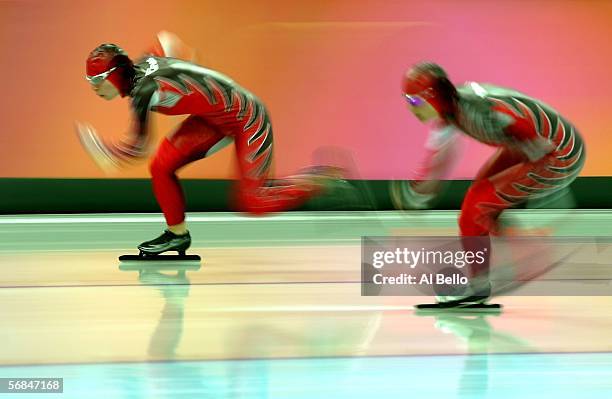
[(427, 187), (96, 148), (413, 195)]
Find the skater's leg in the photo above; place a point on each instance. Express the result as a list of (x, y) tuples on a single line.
[(190, 142), (482, 207), (255, 194), (512, 186), (193, 140), (488, 197), (166, 186), (478, 220)]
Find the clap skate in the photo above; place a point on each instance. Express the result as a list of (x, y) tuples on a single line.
[(168, 241), (473, 297)]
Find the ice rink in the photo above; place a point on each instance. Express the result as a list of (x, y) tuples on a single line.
[(275, 310)]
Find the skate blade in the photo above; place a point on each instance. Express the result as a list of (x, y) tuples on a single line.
[(462, 308), (159, 258)]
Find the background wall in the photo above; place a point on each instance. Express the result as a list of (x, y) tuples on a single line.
[(329, 72)]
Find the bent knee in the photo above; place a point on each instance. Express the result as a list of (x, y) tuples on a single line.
[(480, 210), (166, 161)]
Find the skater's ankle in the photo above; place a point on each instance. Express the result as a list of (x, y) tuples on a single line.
[(178, 229)]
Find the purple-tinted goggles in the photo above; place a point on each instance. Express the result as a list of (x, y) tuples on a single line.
[(415, 101)]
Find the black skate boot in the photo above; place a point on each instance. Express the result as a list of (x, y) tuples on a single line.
[(168, 241), (475, 293), (474, 296)]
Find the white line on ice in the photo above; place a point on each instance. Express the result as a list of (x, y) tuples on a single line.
[(293, 309), (357, 216), (218, 217)]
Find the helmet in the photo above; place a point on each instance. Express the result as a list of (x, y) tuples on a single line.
[(109, 61), (430, 82)]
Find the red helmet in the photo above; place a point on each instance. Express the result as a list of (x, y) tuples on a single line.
[(430, 82), (109, 61)]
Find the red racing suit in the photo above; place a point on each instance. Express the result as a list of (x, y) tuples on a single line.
[(220, 111), (539, 152)]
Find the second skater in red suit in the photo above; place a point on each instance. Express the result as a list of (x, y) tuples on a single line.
[(539, 153), (220, 111)]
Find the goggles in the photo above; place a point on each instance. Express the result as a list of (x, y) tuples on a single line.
[(99, 78), (414, 101)]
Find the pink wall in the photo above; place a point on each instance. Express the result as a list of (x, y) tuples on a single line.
[(329, 72)]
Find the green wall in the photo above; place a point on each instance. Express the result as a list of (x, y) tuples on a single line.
[(135, 195)]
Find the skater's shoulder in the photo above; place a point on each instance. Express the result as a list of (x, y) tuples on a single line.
[(148, 69), (150, 66), (479, 107), (492, 92), (504, 102), (483, 90), (153, 67)]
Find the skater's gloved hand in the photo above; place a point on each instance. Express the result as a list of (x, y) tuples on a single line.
[(130, 149), (414, 195), (98, 150)]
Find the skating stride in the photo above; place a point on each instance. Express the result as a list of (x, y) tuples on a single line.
[(539, 153), (220, 111)]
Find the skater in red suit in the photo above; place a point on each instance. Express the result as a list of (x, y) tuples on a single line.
[(220, 111), (539, 153)]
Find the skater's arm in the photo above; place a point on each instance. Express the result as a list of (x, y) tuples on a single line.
[(442, 151), (134, 145), (167, 44), (97, 149)]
